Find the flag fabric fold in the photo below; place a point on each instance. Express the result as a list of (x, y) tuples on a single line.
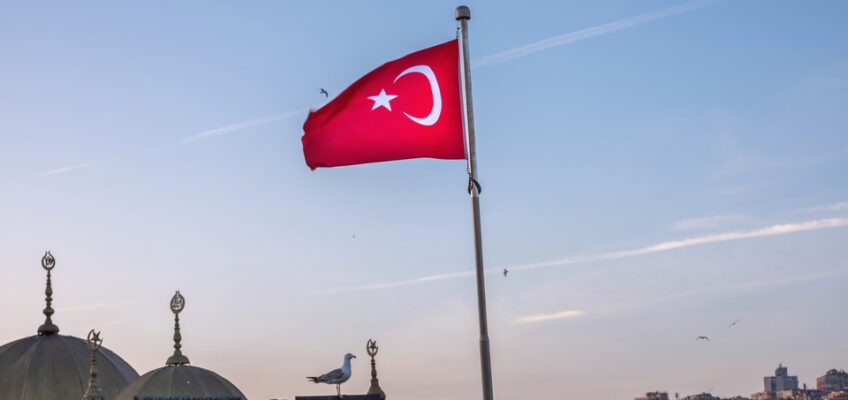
[(406, 108)]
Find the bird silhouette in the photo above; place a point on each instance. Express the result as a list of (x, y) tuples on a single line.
[(506, 271), (702, 338), (324, 92), (732, 324)]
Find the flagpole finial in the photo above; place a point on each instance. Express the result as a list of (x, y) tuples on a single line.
[(48, 262), (177, 305), (463, 12)]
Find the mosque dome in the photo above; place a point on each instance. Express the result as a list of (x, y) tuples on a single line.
[(50, 366), (181, 381), (177, 379)]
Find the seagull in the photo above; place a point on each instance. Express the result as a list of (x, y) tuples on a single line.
[(353, 236), (506, 271), (702, 338), (732, 324), (336, 376), (324, 92)]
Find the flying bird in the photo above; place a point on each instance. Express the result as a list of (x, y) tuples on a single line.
[(336, 376), (506, 271), (732, 324), (324, 92), (702, 338)]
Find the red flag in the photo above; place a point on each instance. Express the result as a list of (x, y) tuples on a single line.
[(406, 108)]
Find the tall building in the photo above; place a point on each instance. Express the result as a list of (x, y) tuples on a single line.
[(780, 381), (833, 380)]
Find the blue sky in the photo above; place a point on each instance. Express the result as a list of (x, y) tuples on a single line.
[(156, 146)]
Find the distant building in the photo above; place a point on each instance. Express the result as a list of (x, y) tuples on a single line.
[(836, 395), (833, 380), (780, 381), (789, 394), (654, 396), (701, 396)]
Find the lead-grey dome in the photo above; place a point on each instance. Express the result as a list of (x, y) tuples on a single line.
[(50, 366), (177, 379), (181, 381), (53, 367)]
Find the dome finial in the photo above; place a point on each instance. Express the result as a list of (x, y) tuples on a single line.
[(375, 388), (177, 305), (93, 342), (48, 262)]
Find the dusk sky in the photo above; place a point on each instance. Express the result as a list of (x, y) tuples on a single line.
[(652, 171)]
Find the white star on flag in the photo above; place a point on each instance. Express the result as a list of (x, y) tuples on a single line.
[(382, 100)]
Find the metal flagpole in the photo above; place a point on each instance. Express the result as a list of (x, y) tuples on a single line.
[(463, 14)]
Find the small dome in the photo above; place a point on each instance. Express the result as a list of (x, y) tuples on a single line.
[(51, 367), (177, 379), (181, 381)]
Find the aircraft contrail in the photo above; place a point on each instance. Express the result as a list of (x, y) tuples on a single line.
[(224, 130), (587, 33), (772, 230), (65, 169)]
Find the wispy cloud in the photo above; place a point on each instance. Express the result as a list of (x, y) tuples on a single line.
[(829, 207), (582, 34), (738, 287), (772, 230), (568, 314), (86, 307), (66, 169), (240, 126), (207, 134), (387, 285), (780, 229), (705, 222)]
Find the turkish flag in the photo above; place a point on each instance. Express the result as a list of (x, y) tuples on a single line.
[(406, 108)]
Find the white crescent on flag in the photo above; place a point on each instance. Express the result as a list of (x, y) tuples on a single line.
[(431, 118)]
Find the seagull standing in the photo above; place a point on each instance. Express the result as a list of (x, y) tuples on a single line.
[(336, 376)]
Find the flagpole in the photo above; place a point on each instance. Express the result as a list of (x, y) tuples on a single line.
[(463, 14)]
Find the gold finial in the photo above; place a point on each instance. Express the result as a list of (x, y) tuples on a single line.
[(93, 342), (48, 262), (371, 348), (177, 305)]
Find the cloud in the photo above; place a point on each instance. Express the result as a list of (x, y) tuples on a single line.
[(582, 34), (407, 282), (87, 307), (829, 207), (728, 289), (772, 230), (780, 229), (705, 222), (207, 134), (568, 314), (240, 126), (65, 169)]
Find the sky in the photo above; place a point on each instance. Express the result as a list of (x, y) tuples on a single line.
[(652, 171)]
